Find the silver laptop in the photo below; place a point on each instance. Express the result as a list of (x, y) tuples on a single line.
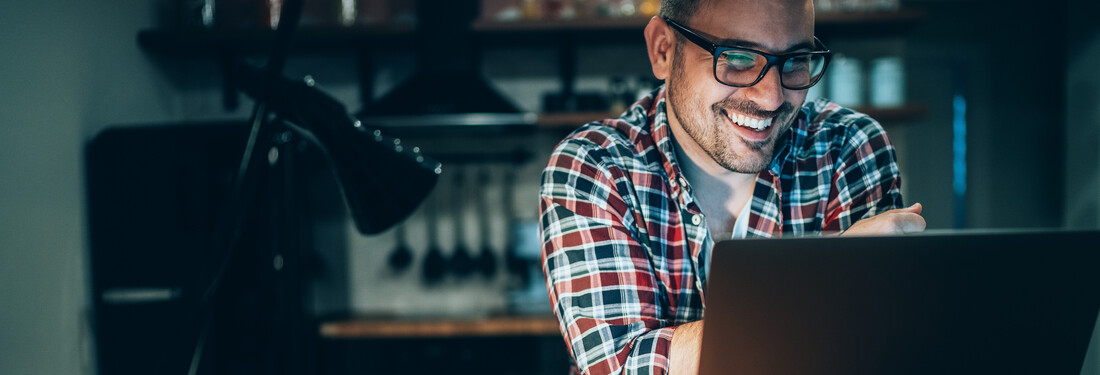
[(964, 303)]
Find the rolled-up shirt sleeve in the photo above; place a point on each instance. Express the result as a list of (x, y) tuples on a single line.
[(867, 181), (599, 275)]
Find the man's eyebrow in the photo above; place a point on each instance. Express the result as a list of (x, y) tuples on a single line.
[(804, 45)]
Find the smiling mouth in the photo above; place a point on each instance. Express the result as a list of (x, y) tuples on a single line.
[(749, 122)]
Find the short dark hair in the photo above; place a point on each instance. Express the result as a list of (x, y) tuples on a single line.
[(680, 10)]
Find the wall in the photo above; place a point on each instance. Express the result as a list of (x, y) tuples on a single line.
[(1015, 119), (66, 74), (1082, 137)]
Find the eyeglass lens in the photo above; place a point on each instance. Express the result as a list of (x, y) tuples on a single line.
[(742, 68)]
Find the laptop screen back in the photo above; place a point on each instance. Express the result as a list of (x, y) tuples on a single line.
[(1021, 303)]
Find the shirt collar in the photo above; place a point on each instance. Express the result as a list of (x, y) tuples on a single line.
[(662, 137), (792, 140)]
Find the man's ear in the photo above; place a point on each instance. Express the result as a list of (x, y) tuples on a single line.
[(661, 44)]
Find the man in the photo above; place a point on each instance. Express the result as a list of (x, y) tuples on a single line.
[(727, 148)]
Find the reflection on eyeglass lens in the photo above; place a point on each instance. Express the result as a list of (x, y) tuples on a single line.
[(744, 67), (740, 61)]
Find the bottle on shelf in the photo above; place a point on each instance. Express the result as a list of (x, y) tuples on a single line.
[(887, 82), (531, 10), (649, 8)]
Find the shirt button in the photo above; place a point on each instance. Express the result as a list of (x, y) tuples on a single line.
[(696, 219)]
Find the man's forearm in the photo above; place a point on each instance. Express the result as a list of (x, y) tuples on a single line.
[(683, 354)]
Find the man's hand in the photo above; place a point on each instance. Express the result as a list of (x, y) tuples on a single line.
[(899, 221)]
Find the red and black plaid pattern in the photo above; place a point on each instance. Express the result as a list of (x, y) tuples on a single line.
[(624, 242)]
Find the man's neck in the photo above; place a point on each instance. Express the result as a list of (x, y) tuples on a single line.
[(721, 193)]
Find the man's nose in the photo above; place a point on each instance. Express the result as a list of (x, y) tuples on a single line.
[(768, 93)]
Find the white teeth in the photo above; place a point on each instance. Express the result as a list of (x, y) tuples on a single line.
[(749, 122)]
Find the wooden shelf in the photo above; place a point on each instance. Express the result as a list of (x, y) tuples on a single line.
[(574, 120), (579, 24), (824, 19), (902, 113), (868, 24), (394, 328), (859, 19), (828, 24), (183, 43)]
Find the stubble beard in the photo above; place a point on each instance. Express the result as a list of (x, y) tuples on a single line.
[(715, 135)]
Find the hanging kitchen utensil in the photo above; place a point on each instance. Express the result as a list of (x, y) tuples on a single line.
[(461, 264), (435, 266), (486, 260), (401, 256)]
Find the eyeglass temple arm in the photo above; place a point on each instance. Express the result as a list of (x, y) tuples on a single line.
[(692, 36), (819, 46)]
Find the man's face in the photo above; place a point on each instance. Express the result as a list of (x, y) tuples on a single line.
[(738, 126)]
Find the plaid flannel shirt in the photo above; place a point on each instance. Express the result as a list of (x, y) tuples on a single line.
[(625, 245)]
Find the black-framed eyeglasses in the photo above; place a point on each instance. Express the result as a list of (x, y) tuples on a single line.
[(744, 67)]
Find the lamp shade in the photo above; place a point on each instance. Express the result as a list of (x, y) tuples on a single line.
[(383, 180)]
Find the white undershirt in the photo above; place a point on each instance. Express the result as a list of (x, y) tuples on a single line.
[(741, 225), (740, 230)]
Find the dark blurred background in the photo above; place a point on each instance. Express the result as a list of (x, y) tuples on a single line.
[(118, 132)]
